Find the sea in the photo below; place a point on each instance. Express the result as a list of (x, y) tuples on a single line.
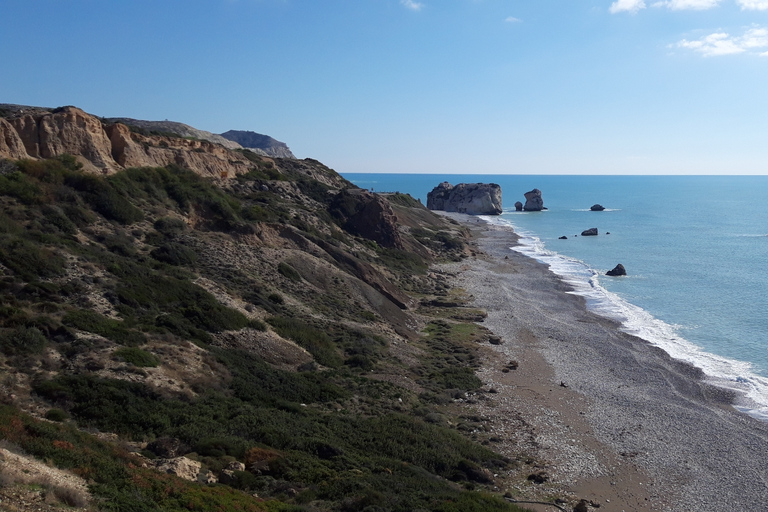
[(695, 249)]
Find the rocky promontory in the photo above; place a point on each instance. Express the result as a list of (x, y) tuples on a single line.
[(469, 198)]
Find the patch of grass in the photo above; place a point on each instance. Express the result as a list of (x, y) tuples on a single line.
[(111, 329), (29, 260), (288, 271), (403, 200), (314, 340), (22, 341), (174, 254), (136, 357)]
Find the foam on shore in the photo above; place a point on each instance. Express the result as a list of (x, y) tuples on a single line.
[(751, 389)]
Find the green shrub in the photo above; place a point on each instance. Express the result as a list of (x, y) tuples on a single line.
[(114, 330), (170, 226), (314, 340), (28, 260), (174, 254), (56, 415), (105, 198), (136, 357), (288, 271), (22, 341)]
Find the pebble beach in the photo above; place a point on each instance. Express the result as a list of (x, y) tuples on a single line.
[(610, 418)]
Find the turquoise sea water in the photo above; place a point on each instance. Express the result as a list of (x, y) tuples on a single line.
[(695, 249)]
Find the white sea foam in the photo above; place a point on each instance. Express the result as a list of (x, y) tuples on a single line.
[(720, 371)]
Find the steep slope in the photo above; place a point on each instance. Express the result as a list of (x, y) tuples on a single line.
[(272, 331)]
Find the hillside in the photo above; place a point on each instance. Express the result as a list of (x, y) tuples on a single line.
[(268, 333), (263, 144)]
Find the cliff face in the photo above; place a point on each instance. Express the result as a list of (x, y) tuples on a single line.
[(470, 198), (263, 144), (107, 148)]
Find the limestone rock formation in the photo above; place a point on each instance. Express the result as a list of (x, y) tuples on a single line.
[(589, 232), (182, 467), (470, 198), (172, 127), (67, 130), (263, 144), (597, 208), (533, 201), (109, 148), (11, 145), (518, 206), (618, 270)]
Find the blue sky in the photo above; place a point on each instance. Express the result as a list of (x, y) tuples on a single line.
[(436, 86)]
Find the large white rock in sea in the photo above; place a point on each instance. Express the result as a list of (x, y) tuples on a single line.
[(470, 198)]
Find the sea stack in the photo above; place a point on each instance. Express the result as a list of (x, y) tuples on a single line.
[(533, 201), (470, 198)]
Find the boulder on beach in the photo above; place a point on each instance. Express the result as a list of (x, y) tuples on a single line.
[(618, 270), (470, 198), (518, 206), (597, 208), (589, 232), (533, 201)]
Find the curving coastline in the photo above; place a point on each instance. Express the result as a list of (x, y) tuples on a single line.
[(630, 428)]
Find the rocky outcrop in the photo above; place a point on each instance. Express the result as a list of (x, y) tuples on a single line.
[(112, 147), (182, 467), (597, 208), (368, 215), (11, 145), (470, 198), (67, 130), (533, 201), (263, 144), (518, 206), (589, 232), (618, 270)]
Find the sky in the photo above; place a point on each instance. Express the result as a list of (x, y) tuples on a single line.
[(419, 86)]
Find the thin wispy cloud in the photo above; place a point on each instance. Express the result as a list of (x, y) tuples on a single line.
[(512, 19), (722, 43), (414, 6), (631, 6)]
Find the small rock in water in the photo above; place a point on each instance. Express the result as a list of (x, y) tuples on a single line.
[(563, 238), (597, 208), (589, 232), (618, 270)]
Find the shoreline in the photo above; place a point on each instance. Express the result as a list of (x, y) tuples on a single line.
[(616, 421)]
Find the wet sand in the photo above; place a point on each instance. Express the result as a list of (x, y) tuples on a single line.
[(608, 417)]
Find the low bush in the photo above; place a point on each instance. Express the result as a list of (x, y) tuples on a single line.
[(29, 260), (22, 341), (314, 340), (174, 254), (136, 357), (111, 329)]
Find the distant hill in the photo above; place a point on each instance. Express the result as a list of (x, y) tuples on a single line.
[(172, 127), (257, 141)]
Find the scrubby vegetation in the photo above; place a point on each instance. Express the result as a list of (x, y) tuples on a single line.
[(104, 281)]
